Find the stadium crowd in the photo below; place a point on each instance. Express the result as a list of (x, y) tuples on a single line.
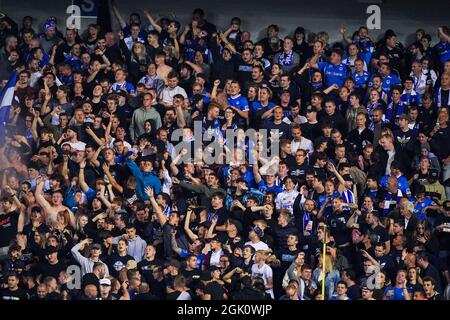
[(98, 201)]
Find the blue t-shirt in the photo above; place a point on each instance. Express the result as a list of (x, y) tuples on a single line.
[(256, 106), (443, 51), (398, 293), (334, 73), (200, 258), (239, 102), (361, 80), (390, 81), (263, 187), (420, 206), (410, 99), (403, 184), (116, 87)]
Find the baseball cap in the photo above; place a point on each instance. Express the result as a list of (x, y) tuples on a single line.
[(311, 109), (405, 117), (105, 282), (122, 93), (201, 75), (347, 177), (216, 238), (49, 25), (366, 288), (96, 246), (73, 128)]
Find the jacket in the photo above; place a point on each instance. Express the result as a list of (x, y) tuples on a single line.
[(87, 264), (144, 180)]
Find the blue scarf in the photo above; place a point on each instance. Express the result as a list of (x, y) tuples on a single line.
[(286, 59)]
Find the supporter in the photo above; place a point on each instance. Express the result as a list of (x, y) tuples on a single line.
[(128, 153)]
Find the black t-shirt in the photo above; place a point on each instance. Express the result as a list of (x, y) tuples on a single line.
[(19, 294), (432, 271), (382, 233), (439, 143), (146, 267), (395, 56), (311, 131), (284, 130), (116, 263), (158, 288), (338, 228), (286, 257), (118, 172), (46, 269), (443, 237), (299, 170), (192, 277), (8, 227), (216, 290), (354, 292)]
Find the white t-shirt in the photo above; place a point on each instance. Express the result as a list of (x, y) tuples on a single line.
[(265, 273), (168, 93), (215, 258), (304, 144), (78, 146), (285, 200)]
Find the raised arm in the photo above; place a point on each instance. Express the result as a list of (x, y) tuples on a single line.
[(443, 34), (214, 90), (50, 214), (113, 181), (195, 67), (173, 242), (343, 32), (183, 36), (188, 231), (22, 209), (181, 122), (117, 14), (313, 61), (97, 140), (101, 196), (155, 26), (83, 185), (159, 213), (228, 44), (334, 86), (76, 251)]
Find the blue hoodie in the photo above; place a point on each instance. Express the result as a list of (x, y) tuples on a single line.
[(144, 180)]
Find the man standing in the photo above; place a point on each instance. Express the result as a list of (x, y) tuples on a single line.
[(335, 71), (144, 113)]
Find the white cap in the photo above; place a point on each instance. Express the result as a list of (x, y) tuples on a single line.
[(105, 282)]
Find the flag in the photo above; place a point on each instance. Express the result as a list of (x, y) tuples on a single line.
[(6, 101)]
